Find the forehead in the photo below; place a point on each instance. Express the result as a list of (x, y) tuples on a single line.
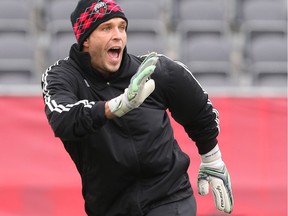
[(114, 21)]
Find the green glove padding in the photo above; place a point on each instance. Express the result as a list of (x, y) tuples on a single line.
[(140, 87)]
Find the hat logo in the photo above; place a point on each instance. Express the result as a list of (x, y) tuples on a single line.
[(100, 8)]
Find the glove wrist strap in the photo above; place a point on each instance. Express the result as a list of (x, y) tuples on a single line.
[(118, 106), (211, 156)]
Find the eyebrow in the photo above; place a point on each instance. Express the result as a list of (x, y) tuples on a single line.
[(110, 23)]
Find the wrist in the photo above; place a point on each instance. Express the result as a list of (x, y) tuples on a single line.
[(211, 156), (108, 113), (120, 105), (218, 164)]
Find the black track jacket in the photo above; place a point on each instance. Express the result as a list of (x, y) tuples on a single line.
[(130, 164)]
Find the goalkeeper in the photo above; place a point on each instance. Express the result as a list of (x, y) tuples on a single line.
[(109, 108)]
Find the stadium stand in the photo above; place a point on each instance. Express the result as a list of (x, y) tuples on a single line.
[(268, 61), (205, 40), (144, 19), (58, 17), (19, 43), (209, 60), (202, 17), (261, 18), (148, 44), (257, 20), (239, 8), (165, 26), (17, 60), (59, 32), (16, 17), (60, 47)]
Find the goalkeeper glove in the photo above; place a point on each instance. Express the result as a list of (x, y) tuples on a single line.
[(140, 87), (213, 171)]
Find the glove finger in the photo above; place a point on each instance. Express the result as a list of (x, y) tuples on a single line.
[(227, 202), (230, 199), (203, 187), (149, 62), (221, 196), (148, 88), (142, 77), (145, 73), (218, 192), (151, 59), (137, 82)]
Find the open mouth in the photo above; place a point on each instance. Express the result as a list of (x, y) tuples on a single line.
[(114, 52)]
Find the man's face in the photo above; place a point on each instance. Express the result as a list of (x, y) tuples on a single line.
[(106, 44)]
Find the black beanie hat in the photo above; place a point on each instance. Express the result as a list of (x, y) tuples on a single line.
[(89, 14)]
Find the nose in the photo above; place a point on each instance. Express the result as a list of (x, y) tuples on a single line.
[(117, 33)]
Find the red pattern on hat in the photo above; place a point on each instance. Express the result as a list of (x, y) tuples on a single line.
[(90, 15)]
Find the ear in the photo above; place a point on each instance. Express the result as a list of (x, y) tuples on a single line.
[(85, 43)]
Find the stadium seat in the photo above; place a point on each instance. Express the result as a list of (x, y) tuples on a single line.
[(202, 18), (263, 17), (59, 30), (59, 48), (144, 18), (163, 8), (239, 8), (268, 61), (16, 17), (141, 45), (17, 60), (209, 60), (58, 17), (254, 19)]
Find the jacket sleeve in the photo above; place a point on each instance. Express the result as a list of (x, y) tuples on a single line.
[(69, 116), (190, 106)]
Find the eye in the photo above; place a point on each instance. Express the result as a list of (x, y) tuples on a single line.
[(106, 28), (122, 27)]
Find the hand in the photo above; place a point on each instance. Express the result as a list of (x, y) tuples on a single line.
[(216, 174), (140, 87)]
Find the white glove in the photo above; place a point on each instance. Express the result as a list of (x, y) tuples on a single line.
[(140, 87), (213, 171)]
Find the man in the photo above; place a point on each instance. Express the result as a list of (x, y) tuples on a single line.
[(109, 109)]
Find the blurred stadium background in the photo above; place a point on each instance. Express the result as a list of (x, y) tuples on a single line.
[(237, 49)]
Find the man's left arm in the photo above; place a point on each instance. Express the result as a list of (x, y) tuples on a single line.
[(193, 109)]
